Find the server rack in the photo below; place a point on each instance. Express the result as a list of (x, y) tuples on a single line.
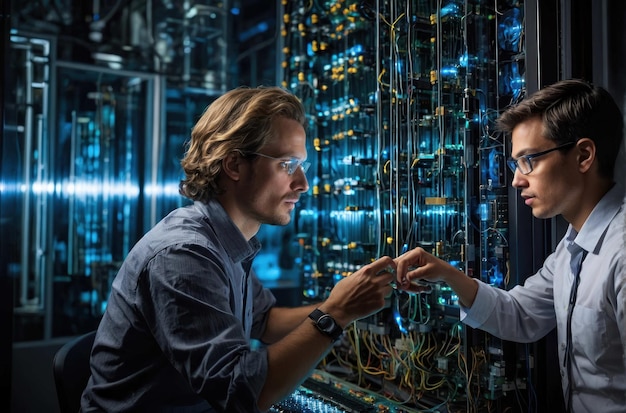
[(547, 29), (402, 98)]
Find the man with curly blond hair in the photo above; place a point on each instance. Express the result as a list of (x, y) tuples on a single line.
[(176, 334)]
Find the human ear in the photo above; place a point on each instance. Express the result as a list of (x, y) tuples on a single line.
[(586, 154), (231, 165)]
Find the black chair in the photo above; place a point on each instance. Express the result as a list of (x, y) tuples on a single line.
[(71, 371)]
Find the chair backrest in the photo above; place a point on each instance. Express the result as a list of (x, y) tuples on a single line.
[(71, 371)]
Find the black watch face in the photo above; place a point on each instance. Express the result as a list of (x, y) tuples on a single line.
[(326, 323)]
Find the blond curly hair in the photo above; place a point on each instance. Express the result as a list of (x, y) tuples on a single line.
[(239, 121)]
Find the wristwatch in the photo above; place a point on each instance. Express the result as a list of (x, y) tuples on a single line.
[(326, 324)]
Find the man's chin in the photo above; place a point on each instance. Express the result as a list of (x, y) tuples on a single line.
[(278, 221), (542, 214)]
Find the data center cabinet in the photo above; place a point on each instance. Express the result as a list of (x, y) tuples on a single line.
[(83, 137), (102, 98), (401, 98)]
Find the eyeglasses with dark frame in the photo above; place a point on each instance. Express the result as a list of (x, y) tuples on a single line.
[(290, 165), (524, 164)]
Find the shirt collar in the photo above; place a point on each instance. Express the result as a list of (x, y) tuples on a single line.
[(590, 235), (229, 234)]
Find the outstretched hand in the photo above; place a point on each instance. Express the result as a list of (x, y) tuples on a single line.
[(362, 293), (417, 264)]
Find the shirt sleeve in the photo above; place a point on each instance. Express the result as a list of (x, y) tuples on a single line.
[(620, 303), (264, 300), (523, 314), (187, 299)]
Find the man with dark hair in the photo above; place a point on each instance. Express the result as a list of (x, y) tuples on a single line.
[(565, 140), (176, 334)]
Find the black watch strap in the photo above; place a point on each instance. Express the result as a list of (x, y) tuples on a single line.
[(326, 324)]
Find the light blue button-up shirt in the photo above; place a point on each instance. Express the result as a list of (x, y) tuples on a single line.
[(527, 313)]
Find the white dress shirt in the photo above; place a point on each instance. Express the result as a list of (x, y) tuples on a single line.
[(527, 313)]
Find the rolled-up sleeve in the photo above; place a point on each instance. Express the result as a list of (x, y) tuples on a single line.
[(193, 306), (176, 334)]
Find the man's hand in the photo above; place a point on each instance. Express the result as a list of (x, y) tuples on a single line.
[(417, 264), (362, 293)]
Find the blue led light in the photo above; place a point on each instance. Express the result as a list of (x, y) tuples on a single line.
[(450, 9), (510, 30), (399, 323), (496, 277), (511, 80), (483, 211), (449, 71)]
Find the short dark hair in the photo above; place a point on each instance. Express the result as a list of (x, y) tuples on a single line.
[(241, 120), (570, 110)]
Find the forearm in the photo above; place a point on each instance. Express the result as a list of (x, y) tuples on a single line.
[(282, 321), (464, 286), (291, 360)]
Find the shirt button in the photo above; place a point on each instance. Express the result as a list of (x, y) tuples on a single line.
[(562, 373)]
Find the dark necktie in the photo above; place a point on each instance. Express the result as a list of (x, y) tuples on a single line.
[(567, 359)]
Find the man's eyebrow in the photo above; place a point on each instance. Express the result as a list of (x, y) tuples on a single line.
[(525, 151)]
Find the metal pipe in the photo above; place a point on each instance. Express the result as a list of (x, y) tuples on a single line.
[(379, 131), (71, 248), (26, 179), (157, 126), (41, 229)]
